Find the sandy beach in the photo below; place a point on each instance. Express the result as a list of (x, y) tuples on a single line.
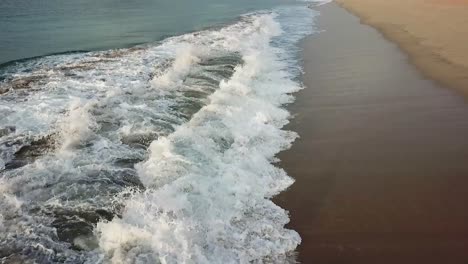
[(152, 131), (433, 32), (381, 164)]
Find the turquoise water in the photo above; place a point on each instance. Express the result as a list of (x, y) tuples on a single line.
[(158, 144), (31, 28)]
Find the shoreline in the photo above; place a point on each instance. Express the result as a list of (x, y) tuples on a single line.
[(432, 62), (381, 158)]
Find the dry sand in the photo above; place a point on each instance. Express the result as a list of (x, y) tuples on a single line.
[(433, 32), (381, 167)]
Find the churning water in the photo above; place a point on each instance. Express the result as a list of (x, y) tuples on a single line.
[(159, 153)]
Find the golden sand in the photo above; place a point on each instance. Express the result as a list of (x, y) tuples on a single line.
[(433, 32)]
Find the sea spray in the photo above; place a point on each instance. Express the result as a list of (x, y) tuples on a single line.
[(186, 56), (158, 153), (209, 183), (78, 126)]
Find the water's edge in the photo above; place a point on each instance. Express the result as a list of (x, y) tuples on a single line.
[(79, 185)]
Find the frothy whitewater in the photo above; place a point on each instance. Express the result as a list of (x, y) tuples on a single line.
[(161, 153)]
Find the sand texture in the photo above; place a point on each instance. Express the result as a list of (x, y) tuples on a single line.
[(433, 32), (381, 163)]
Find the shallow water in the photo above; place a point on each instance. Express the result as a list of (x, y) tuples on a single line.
[(158, 153)]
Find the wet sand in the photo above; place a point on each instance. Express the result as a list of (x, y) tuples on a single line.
[(433, 32), (381, 167)]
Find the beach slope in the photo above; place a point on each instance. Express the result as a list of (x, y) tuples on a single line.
[(381, 162), (433, 32)]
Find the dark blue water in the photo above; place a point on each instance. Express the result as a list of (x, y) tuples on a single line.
[(31, 28)]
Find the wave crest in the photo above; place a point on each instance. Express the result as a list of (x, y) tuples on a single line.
[(209, 183)]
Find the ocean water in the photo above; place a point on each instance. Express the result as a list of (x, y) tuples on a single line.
[(31, 28), (161, 152)]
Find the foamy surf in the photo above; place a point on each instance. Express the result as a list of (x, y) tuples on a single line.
[(158, 154), (318, 2)]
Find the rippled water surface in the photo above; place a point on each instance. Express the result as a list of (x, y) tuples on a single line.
[(31, 28)]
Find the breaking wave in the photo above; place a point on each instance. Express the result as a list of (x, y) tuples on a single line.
[(161, 153)]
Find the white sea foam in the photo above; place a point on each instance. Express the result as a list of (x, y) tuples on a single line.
[(318, 2), (209, 102), (78, 126), (210, 182), (186, 56)]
